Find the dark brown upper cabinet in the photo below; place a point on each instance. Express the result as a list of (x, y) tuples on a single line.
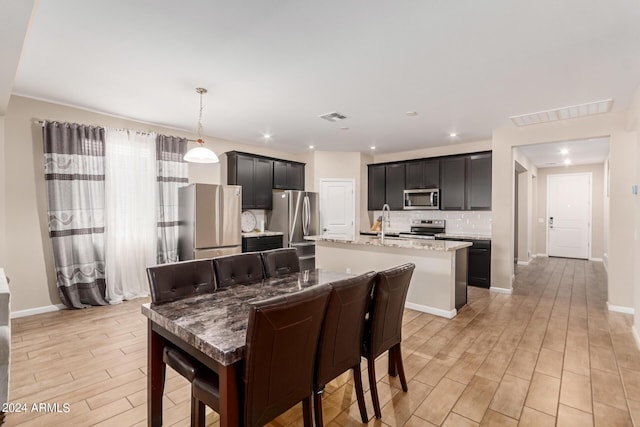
[(464, 181), (422, 174), (288, 175)]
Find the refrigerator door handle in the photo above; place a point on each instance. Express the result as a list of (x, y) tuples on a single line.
[(307, 215)]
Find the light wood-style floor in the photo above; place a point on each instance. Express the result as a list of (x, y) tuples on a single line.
[(548, 354)]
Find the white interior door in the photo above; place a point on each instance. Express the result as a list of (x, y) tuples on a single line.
[(337, 208), (569, 215)]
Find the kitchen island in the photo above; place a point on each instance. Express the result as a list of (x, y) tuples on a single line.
[(439, 282)]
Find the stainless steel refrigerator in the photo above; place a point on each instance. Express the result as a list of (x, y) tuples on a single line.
[(295, 213), (209, 218)]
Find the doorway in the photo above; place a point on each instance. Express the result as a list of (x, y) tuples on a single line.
[(569, 215), (337, 208)]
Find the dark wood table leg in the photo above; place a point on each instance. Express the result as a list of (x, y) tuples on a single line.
[(155, 376), (229, 396)]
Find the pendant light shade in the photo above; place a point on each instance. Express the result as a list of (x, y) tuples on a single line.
[(200, 154)]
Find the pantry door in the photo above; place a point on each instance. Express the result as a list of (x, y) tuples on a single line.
[(337, 208), (569, 215)]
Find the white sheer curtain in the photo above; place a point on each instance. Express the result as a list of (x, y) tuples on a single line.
[(130, 213)]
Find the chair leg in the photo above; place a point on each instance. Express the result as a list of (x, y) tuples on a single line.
[(197, 413), (392, 363), (357, 379), (398, 361), (317, 407), (371, 366), (306, 411)]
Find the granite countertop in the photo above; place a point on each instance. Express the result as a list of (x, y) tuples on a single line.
[(262, 233), (463, 236), (216, 323), (425, 245)]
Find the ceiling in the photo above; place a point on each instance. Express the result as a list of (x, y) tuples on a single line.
[(577, 152), (275, 66)]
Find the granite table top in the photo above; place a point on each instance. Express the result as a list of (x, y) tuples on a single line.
[(467, 236), (216, 323), (394, 242)]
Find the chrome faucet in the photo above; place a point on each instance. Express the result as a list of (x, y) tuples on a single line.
[(386, 222)]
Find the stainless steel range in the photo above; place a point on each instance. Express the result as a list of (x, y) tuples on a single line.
[(424, 229)]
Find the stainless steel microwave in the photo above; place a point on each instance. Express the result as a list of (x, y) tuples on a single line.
[(422, 199)]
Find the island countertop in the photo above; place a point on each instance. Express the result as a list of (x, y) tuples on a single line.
[(424, 245)]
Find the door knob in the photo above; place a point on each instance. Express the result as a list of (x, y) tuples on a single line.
[(325, 229)]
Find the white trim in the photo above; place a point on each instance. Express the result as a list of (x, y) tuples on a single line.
[(636, 337), (37, 310), (619, 308), (543, 255), (501, 290), (590, 227), (523, 262), (595, 259), (432, 310), (353, 200)]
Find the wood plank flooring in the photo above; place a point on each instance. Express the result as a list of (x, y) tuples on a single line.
[(549, 354)]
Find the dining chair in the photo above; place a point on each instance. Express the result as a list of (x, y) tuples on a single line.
[(384, 327), (282, 339), (340, 345), (170, 282), (280, 262), (238, 269)]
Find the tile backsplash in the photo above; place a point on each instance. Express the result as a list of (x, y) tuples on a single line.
[(458, 222)]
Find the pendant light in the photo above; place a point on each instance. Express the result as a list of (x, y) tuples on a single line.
[(200, 154)]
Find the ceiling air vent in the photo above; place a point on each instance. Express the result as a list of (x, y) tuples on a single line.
[(333, 117), (563, 113)]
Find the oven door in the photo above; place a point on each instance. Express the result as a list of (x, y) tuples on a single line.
[(421, 199)]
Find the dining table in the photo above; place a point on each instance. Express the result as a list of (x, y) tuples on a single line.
[(212, 328)]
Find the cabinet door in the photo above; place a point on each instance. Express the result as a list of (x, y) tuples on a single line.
[(431, 174), (280, 175), (395, 186), (479, 182), (376, 187), (452, 183), (244, 177), (263, 183), (479, 267), (295, 176), (413, 175)]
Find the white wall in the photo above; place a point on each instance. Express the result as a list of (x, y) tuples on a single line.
[(633, 124), (3, 201), (445, 149), (28, 260)]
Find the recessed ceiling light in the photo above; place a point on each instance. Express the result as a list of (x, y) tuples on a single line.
[(411, 113), (567, 161), (266, 135), (344, 128), (373, 147), (564, 151), (453, 134), (311, 147)]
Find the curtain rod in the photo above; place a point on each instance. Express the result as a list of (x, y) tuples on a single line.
[(42, 122)]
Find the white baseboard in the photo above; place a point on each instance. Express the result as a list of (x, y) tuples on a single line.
[(595, 259), (501, 290), (543, 255), (432, 310), (636, 337), (523, 262), (620, 308), (37, 310)]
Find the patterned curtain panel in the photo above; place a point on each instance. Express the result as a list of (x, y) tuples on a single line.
[(74, 175), (172, 174)]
